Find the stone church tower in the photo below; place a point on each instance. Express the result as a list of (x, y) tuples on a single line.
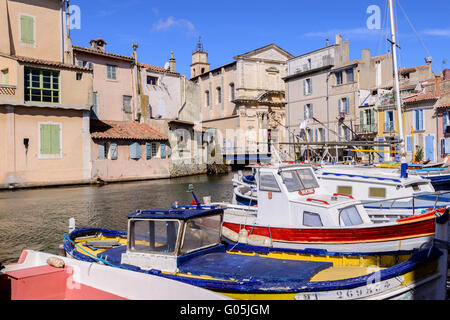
[(200, 63)]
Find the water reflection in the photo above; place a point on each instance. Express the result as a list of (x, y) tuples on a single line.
[(37, 218)]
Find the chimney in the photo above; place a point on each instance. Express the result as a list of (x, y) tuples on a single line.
[(365, 55), (338, 39), (172, 62), (438, 85), (98, 44)]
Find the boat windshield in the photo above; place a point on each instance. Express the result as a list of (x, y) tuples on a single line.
[(154, 236), (301, 179), (200, 233)]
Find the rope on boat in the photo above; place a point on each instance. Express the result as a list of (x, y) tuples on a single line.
[(90, 254)]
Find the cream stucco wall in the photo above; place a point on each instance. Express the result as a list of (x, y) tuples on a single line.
[(47, 27)]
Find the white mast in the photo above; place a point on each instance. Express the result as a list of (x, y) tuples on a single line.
[(396, 82)]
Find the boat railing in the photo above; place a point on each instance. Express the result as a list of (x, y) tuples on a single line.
[(392, 201)]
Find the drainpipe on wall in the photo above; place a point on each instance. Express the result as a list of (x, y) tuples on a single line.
[(62, 5)]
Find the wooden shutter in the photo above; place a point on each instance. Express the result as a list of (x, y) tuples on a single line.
[(27, 29), (45, 139), (114, 151), (101, 150), (55, 139), (163, 150), (409, 145), (135, 150), (444, 119), (148, 150)]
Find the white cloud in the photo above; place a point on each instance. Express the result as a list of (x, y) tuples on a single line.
[(346, 33), (437, 32), (172, 22)]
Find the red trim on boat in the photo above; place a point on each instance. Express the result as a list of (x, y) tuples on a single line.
[(410, 229)]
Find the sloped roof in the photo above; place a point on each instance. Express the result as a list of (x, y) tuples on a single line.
[(269, 46), (156, 68), (102, 53), (49, 63), (124, 130)]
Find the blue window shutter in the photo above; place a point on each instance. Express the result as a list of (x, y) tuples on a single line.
[(442, 146), (101, 150), (421, 119), (381, 140), (148, 150), (113, 149), (135, 150), (415, 118), (304, 112), (163, 150), (397, 155), (444, 119), (447, 145), (409, 144)]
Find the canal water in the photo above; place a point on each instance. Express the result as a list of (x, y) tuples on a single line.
[(37, 219)]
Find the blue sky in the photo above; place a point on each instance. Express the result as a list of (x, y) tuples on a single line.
[(229, 28)]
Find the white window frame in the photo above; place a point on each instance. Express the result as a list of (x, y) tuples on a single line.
[(50, 156), (20, 31)]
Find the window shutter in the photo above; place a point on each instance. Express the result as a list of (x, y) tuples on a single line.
[(312, 111), (304, 112), (95, 103), (55, 141), (409, 144), (114, 153), (447, 145), (339, 106), (361, 119), (45, 139), (27, 29), (347, 106), (421, 119), (163, 150), (444, 119), (442, 146), (101, 150), (304, 87), (381, 140), (372, 120), (135, 150), (148, 150)]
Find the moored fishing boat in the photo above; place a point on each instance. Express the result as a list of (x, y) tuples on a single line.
[(293, 211), (43, 276), (184, 244)]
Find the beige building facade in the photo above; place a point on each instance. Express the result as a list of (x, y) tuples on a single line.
[(245, 99), (44, 99)]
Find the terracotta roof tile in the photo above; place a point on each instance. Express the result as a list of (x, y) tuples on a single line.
[(124, 130), (49, 63), (422, 97), (155, 68), (102, 53)]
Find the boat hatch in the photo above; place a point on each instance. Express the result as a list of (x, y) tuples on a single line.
[(156, 239)]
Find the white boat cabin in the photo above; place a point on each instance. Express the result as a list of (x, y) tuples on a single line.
[(158, 238), (371, 183), (289, 196)]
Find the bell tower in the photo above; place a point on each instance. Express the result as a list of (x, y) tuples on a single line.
[(200, 63)]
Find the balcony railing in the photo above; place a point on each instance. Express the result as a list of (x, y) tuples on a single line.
[(366, 128)]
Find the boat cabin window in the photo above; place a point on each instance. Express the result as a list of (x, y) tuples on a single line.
[(350, 216), (201, 233), (347, 190), (268, 182), (311, 219), (296, 180), (377, 192), (308, 179), (154, 236)]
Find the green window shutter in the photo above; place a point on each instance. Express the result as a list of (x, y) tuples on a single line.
[(55, 141), (45, 139), (50, 139), (27, 29)]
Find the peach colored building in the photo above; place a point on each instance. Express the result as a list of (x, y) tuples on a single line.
[(122, 147), (44, 99)]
